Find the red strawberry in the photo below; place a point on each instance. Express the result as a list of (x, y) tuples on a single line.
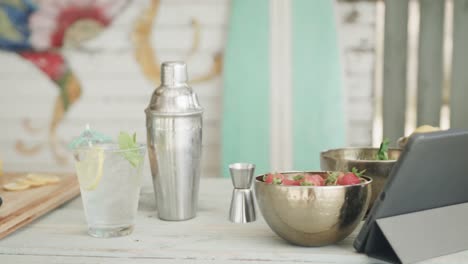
[(312, 180), (348, 179), (298, 177), (276, 178), (340, 178), (333, 177), (291, 182)]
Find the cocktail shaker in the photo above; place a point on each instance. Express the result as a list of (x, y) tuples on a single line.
[(174, 134)]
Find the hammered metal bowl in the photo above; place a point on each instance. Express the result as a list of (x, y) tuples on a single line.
[(310, 215), (344, 159)]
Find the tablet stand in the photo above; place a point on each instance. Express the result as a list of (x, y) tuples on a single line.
[(417, 236)]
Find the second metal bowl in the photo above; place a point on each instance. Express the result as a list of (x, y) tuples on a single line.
[(344, 159)]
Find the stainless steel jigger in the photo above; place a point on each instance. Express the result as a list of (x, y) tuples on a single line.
[(242, 203)]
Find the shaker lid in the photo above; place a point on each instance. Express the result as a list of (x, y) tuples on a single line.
[(174, 96), (173, 72)]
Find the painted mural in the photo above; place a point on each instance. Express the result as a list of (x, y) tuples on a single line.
[(40, 31)]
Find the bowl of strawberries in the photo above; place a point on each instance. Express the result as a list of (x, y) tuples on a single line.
[(313, 208)]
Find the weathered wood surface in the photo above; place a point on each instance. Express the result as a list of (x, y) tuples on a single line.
[(430, 62), (356, 33), (60, 237), (459, 89), (394, 75)]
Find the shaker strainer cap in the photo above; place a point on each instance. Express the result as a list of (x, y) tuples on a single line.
[(173, 72), (174, 97)]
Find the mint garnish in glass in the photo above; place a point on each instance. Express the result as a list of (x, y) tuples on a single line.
[(130, 147)]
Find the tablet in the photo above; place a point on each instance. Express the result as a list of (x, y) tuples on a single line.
[(432, 172)]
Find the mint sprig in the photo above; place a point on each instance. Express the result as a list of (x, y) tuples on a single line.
[(383, 150), (130, 148)]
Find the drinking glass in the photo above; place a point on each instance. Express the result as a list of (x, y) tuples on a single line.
[(110, 180)]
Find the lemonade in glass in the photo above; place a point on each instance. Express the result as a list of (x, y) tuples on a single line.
[(110, 178)]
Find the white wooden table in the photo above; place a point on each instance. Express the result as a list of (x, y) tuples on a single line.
[(60, 237)]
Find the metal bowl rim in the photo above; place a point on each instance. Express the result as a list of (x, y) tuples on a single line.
[(368, 181), (326, 152)]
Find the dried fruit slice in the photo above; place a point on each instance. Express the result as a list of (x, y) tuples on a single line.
[(32, 183), (45, 178), (14, 186)]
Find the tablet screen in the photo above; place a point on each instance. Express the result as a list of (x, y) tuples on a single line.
[(431, 172)]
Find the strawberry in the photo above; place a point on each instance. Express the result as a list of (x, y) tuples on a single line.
[(350, 178), (295, 181), (333, 177), (291, 182), (298, 177), (271, 178), (312, 180)]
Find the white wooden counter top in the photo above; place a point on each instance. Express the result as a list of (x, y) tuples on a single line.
[(60, 237)]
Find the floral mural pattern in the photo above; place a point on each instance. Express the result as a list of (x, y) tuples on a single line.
[(39, 31)]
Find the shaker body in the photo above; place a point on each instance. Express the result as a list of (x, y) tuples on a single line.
[(175, 147)]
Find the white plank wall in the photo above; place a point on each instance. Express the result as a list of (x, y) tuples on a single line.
[(356, 29), (115, 92)]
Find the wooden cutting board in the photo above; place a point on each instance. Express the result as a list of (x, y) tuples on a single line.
[(19, 208)]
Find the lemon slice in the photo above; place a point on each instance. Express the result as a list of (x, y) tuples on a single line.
[(31, 183), (42, 178), (90, 169), (14, 186)]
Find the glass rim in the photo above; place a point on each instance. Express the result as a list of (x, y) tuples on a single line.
[(112, 149)]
